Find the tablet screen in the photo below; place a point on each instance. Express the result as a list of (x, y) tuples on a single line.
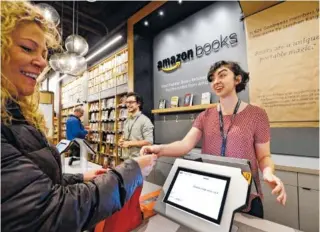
[(198, 193), (62, 146)]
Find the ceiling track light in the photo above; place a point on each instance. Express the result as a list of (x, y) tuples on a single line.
[(146, 23), (104, 47), (161, 13)]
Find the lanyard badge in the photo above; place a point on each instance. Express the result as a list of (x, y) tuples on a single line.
[(223, 135)]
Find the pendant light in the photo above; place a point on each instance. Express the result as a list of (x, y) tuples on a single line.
[(72, 61), (77, 44), (49, 13)]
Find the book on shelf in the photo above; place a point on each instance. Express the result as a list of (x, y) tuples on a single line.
[(162, 104), (188, 99), (123, 113), (174, 101), (206, 98)]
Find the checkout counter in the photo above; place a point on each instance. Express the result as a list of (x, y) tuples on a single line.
[(241, 222), (172, 216), (234, 187)]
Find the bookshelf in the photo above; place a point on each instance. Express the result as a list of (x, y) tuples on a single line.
[(95, 133), (72, 93), (55, 138), (106, 118), (107, 86), (109, 74)]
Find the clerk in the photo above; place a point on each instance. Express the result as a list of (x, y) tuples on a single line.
[(233, 128)]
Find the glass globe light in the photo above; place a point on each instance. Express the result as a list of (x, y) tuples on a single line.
[(49, 13), (66, 62), (54, 62), (79, 66), (77, 44)]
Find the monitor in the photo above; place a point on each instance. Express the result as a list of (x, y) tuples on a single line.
[(204, 196), (63, 145), (198, 193)]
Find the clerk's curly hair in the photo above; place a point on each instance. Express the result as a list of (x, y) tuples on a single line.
[(235, 68)]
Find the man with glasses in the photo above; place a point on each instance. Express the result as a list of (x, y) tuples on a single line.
[(75, 129), (138, 129)]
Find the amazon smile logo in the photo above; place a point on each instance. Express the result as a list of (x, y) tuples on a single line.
[(174, 62)]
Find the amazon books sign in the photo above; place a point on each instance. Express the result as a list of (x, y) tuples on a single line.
[(174, 62)]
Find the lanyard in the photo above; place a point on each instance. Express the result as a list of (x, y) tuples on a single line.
[(224, 136), (129, 131)]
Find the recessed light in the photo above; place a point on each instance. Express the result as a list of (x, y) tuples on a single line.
[(161, 13), (146, 23), (179, 1)]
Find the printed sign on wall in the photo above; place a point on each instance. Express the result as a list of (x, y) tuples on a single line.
[(283, 61), (174, 62), (184, 53)]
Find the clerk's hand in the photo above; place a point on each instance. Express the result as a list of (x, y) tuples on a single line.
[(276, 185), (90, 175), (87, 127), (147, 150)]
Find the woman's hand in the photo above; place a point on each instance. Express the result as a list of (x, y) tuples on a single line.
[(276, 185), (90, 175), (146, 163)]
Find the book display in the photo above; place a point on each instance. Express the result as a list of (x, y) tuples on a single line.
[(186, 106), (206, 98), (55, 131), (72, 93), (108, 74), (122, 113), (174, 101), (108, 142), (188, 99), (94, 120), (106, 118), (162, 104), (107, 86), (104, 81)]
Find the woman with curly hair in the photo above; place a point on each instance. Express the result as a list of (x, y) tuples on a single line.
[(35, 195), (234, 129)]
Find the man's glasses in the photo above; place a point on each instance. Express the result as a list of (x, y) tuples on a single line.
[(130, 102)]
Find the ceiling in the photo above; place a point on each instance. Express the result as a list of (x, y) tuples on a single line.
[(95, 19), (172, 12)]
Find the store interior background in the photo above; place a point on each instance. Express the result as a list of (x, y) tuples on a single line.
[(183, 26)]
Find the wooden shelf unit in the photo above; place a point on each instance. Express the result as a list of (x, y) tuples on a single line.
[(107, 116), (107, 147), (182, 109), (109, 73), (55, 138)]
